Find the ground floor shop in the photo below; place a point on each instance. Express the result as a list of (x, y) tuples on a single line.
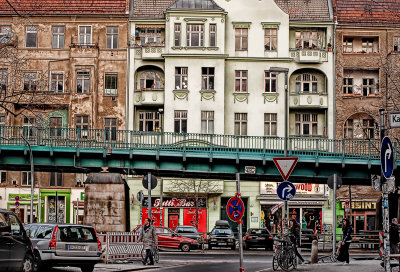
[(362, 215)]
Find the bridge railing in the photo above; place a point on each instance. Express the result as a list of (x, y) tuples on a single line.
[(125, 139)]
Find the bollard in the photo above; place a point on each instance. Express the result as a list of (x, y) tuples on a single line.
[(314, 252)]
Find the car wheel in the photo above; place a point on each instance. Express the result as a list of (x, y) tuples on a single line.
[(185, 247), (87, 268), (37, 264), (27, 264)]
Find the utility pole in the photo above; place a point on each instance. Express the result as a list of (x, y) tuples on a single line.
[(240, 223), (32, 176)]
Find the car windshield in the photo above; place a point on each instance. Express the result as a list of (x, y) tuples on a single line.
[(77, 234), (221, 232), (258, 231), (186, 230)]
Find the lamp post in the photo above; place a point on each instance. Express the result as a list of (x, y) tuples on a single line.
[(32, 175)]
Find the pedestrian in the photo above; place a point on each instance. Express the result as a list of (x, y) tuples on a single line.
[(149, 236), (294, 230), (394, 236), (343, 255)]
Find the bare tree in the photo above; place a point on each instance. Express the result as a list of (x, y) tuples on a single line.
[(196, 189)]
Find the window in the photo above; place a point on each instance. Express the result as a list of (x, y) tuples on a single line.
[(368, 86), (270, 82), (177, 35), (368, 128), (3, 176), (213, 35), (55, 126), (28, 126), (58, 36), (82, 81), (348, 129), (270, 124), (207, 76), (306, 83), (150, 35), (207, 122), (3, 80), (110, 126), (195, 35), (112, 37), (240, 123), (150, 80), (396, 43), (26, 179), (347, 85), (82, 125), (306, 39), (2, 125), (149, 121), (180, 121), (270, 39), (240, 81), (111, 84), (30, 81), (57, 82), (241, 37), (306, 124), (181, 78), (16, 228), (5, 33), (56, 179), (85, 35), (367, 45), (31, 36), (348, 45)]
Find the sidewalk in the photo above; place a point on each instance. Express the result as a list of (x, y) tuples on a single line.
[(354, 266)]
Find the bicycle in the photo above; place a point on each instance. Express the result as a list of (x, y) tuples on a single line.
[(154, 252), (284, 255)]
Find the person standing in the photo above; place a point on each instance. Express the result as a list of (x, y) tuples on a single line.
[(394, 236), (294, 230), (149, 236), (344, 246)]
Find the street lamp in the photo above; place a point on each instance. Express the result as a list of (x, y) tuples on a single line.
[(32, 175), (279, 70)]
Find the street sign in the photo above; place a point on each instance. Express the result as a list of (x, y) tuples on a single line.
[(153, 182), (394, 119), (285, 165), (16, 204), (140, 196), (347, 204), (286, 190), (250, 170), (338, 181), (387, 157), (16, 198), (235, 209)]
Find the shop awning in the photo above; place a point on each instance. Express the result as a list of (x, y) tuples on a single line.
[(296, 201), (150, 26)]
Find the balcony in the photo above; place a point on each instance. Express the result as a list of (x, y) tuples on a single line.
[(309, 55), (149, 52), (308, 100), (153, 97)]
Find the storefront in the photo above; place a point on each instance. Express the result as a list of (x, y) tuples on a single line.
[(20, 203), (307, 207), (362, 214), (55, 206)]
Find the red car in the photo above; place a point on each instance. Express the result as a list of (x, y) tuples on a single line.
[(170, 239)]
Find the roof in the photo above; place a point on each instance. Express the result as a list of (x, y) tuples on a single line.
[(61, 7), (195, 4), (153, 9), (306, 10), (368, 12)]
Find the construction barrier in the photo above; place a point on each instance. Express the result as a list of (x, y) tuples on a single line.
[(120, 246)]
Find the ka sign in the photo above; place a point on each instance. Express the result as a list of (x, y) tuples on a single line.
[(394, 118)]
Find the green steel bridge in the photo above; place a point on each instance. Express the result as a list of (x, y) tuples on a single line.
[(187, 154)]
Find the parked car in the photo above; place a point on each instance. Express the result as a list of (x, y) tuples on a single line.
[(221, 236), (16, 250), (170, 239), (257, 238), (189, 232), (64, 245)]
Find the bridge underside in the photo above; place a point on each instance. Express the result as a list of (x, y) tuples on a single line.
[(191, 164)]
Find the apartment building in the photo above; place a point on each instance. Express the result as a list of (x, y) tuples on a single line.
[(71, 73)]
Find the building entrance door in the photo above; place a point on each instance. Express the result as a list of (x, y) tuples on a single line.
[(173, 221)]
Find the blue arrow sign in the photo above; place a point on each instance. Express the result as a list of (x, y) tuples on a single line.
[(286, 190), (387, 157)]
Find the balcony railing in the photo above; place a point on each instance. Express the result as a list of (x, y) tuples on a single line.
[(167, 141), (309, 55)]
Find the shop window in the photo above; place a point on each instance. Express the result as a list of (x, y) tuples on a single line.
[(241, 39), (240, 81), (56, 179), (56, 209), (195, 35), (149, 121), (180, 121), (240, 125), (207, 122)]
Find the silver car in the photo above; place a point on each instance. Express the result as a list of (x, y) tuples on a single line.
[(64, 245)]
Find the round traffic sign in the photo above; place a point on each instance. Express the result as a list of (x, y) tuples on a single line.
[(153, 182), (16, 204), (286, 190), (387, 157), (235, 209), (16, 198)]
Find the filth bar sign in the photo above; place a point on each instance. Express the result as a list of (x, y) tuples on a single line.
[(176, 202)]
